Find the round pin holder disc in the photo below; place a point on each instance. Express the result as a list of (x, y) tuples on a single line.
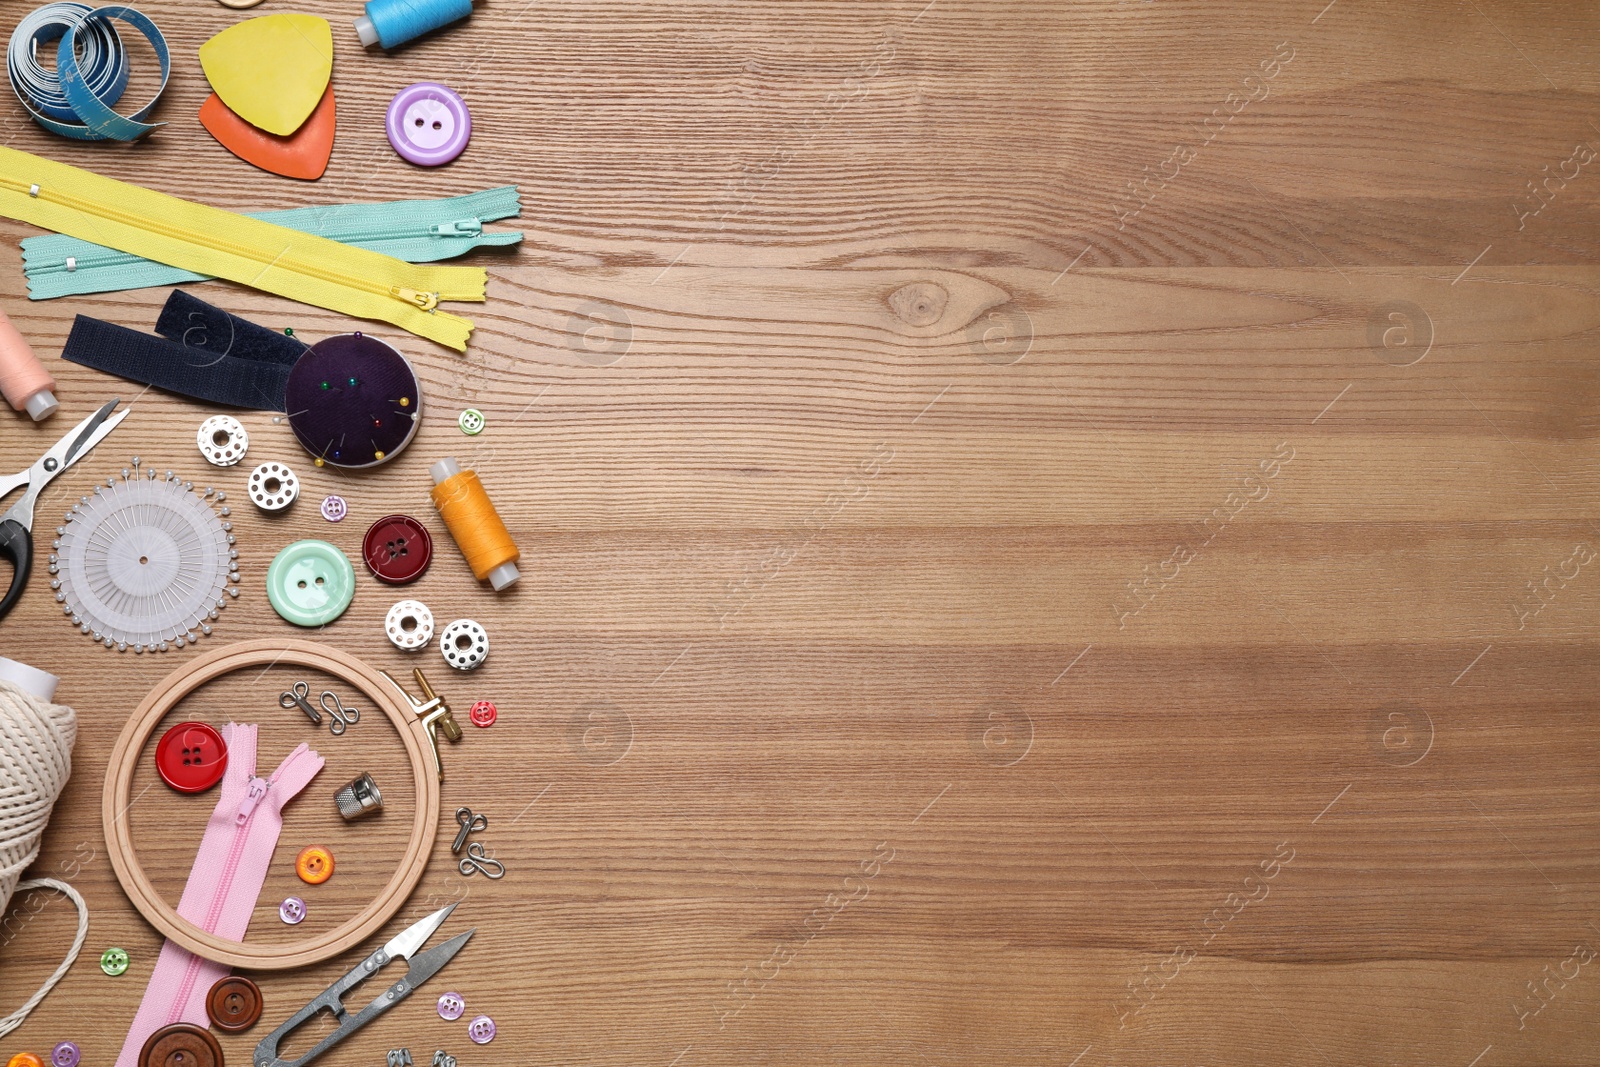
[(145, 562), (353, 401)]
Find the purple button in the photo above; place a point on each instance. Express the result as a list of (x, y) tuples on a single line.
[(65, 1054), (428, 124), (292, 911), (481, 1030), (334, 508), (451, 1005)]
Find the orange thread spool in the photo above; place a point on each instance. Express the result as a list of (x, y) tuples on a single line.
[(475, 525)]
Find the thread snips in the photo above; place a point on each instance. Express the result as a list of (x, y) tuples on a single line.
[(405, 945)]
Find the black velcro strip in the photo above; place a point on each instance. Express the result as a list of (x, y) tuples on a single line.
[(192, 372), (191, 322)]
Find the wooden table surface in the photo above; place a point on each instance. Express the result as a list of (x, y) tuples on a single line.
[(1052, 534)]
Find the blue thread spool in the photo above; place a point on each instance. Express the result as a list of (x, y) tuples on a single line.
[(392, 23)]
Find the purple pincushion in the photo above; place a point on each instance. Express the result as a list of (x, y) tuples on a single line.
[(353, 401)]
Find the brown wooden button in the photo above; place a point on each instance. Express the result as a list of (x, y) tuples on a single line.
[(234, 1004), (181, 1045)]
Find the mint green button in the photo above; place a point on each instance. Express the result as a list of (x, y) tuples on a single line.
[(310, 583)]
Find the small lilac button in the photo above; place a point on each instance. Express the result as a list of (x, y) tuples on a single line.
[(428, 124), (481, 1030), (65, 1054), (451, 1005), (334, 508), (292, 911)]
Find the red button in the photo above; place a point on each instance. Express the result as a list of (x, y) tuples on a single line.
[(191, 757), (397, 549), (483, 713)]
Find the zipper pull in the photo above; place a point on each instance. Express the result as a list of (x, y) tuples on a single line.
[(425, 301), (459, 228), (252, 796)]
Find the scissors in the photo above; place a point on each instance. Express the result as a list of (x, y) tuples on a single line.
[(16, 526), (478, 859), (470, 824), (405, 945), (342, 716)]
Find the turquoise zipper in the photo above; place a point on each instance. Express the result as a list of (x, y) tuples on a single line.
[(417, 231)]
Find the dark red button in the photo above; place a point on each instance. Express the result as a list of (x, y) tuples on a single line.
[(191, 757), (397, 549)]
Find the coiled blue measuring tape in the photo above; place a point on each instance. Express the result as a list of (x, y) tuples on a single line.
[(75, 99)]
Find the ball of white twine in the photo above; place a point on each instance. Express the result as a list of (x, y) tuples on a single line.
[(36, 740)]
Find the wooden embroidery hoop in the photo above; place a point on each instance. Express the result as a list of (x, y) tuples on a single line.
[(117, 798)]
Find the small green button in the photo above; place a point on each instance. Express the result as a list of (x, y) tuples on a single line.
[(471, 422), (310, 583), (113, 961)]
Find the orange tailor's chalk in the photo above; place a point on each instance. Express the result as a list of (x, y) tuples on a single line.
[(303, 154)]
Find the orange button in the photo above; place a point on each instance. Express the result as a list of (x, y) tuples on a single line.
[(314, 864), (24, 1059)]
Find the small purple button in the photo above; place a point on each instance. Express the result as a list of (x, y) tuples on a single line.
[(334, 508), (428, 124), (292, 911), (481, 1030), (65, 1054), (451, 1005)]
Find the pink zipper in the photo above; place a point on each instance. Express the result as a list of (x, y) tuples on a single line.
[(255, 791), (222, 902)]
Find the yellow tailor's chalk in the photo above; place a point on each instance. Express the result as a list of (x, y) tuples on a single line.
[(271, 71)]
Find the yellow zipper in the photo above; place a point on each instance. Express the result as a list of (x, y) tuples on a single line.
[(208, 240)]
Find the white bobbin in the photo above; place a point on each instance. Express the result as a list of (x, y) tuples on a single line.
[(421, 619), (465, 644), (273, 486), (222, 440)]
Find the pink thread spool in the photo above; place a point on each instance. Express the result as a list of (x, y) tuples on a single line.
[(24, 381)]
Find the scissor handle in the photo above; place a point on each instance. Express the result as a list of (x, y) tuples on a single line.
[(16, 545)]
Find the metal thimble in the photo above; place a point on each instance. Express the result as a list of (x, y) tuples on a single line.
[(358, 798)]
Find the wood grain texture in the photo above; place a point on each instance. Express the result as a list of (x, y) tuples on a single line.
[(1051, 534)]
